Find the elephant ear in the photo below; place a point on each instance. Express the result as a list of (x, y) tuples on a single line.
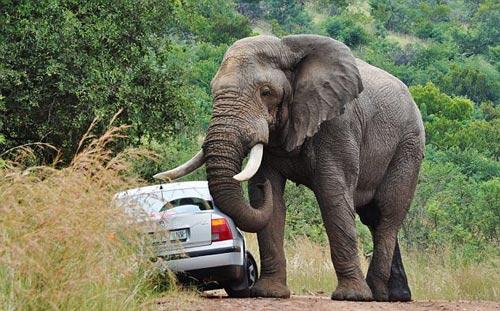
[(326, 78)]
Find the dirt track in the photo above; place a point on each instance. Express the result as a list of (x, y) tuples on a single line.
[(301, 303)]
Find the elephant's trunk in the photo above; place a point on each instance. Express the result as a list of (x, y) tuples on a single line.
[(224, 148)]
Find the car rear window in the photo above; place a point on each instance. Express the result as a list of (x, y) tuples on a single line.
[(202, 204)]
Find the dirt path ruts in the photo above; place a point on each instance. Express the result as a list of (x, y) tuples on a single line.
[(320, 303)]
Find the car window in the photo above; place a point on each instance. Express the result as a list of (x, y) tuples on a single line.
[(149, 203), (202, 204)]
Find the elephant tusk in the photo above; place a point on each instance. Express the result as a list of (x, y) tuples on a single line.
[(254, 160), (183, 169)]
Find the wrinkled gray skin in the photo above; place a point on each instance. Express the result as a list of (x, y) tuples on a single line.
[(345, 129)]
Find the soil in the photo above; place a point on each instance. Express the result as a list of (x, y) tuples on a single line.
[(218, 301)]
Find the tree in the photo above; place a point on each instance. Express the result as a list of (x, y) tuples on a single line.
[(62, 63), (344, 28), (432, 101), (290, 15), (475, 78)]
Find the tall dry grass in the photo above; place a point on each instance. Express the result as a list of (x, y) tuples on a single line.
[(437, 275), (62, 245), (430, 275)]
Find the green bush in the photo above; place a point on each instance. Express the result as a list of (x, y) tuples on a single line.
[(347, 30), (475, 78), (481, 135), (451, 209), (212, 21), (289, 15), (168, 155), (303, 216), (482, 30), (432, 101), (470, 162)]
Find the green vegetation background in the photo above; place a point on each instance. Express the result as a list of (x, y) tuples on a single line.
[(62, 63)]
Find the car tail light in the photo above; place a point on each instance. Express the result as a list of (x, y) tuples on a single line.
[(221, 230)]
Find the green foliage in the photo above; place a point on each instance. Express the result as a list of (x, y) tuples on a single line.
[(470, 162), (63, 63), (333, 7), (475, 78), (169, 154), (452, 32), (483, 29), (422, 18), (285, 16), (450, 208), (289, 14), (303, 217), (449, 123), (214, 21), (347, 29), (488, 111), (481, 135), (432, 101), (277, 29)]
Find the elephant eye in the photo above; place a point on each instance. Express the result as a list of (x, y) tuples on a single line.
[(265, 91)]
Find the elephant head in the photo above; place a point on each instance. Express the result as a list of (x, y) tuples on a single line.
[(269, 91)]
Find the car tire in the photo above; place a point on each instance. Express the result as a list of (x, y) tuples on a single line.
[(251, 274)]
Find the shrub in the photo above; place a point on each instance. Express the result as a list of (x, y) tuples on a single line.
[(347, 30), (289, 15), (303, 215), (475, 78), (432, 101), (210, 21), (452, 209)]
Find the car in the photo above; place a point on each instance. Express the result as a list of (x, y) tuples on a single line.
[(192, 237)]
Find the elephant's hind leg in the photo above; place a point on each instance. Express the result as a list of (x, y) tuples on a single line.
[(392, 200), (398, 283)]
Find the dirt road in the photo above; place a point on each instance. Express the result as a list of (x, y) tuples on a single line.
[(301, 303)]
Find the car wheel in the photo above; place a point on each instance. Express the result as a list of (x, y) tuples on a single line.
[(251, 277)]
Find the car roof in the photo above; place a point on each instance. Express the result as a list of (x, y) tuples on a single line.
[(171, 191)]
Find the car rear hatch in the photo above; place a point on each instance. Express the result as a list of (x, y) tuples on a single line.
[(182, 230)]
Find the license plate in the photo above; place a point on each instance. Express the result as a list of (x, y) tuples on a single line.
[(179, 235)]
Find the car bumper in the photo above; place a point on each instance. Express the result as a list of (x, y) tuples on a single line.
[(219, 254)]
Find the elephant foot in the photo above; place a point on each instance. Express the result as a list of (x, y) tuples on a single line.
[(269, 288), (352, 291), (398, 287), (379, 288), (402, 295)]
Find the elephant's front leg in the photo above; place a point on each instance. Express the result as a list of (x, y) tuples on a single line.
[(272, 281), (338, 215)]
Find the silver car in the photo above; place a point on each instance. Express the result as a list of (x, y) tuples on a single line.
[(192, 237)]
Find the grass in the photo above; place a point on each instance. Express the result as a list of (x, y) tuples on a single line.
[(437, 276), (62, 245), (430, 275)]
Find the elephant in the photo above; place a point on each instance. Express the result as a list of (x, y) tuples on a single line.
[(304, 109)]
